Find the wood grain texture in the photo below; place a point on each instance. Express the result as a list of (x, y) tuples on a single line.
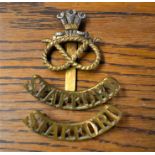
[(128, 54)]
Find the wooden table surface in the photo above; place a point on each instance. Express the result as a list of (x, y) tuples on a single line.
[(128, 54)]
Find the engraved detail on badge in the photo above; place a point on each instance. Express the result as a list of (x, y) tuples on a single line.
[(103, 121), (74, 100), (71, 21), (70, 59), (72, 44)]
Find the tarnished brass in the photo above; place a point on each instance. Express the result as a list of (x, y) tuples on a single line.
[(76, 43), (103, 121), (70, 59), (74, 100)]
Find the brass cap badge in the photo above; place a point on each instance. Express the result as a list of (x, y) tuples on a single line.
[(69, 98)]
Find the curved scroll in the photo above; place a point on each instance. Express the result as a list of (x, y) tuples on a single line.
[(73, 100), (103, 121)]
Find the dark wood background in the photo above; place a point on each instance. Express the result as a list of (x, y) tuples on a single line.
[(128, 54)]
